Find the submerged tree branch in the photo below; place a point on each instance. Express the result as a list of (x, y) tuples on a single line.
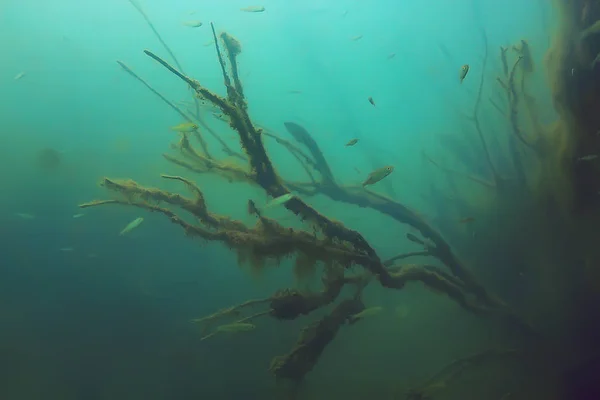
[(475, 117), (461, 174), (331, 245)]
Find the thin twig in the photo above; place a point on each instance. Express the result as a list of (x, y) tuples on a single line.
[(164, 44), (221, 61), (163, 98), (458, 173), (514, 102), (476, 110)]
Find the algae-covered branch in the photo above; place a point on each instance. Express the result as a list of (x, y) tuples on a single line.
[(329, 243)]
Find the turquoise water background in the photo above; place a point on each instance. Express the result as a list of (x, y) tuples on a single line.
[(110, 319)]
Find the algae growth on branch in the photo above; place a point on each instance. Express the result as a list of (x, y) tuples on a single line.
[(336, 246), (262, 170)]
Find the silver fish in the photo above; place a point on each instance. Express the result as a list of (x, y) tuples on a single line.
[(591, 30), (192, 24), (235, 327), (131, 226), (596, 61), (280, 200), (25, 215), (253, 9), (590, 157), (220, 116), (367, 312)]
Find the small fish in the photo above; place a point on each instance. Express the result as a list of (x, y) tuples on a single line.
[(280, 200), (391, 55), (596, 61), (25, 215), (372, 101), (357, 170), (466, 220), (208, 43), (464, 70), (185, 127), (67, 249), (590, 157), (192, 24), (220, 116), (253, 9), (355, 38), (595, 28), (378, 175), (78, 215), (352, 142), (185, 103), (367, 312), (235, 327), (19, 76), (295, 91), (131, 226)]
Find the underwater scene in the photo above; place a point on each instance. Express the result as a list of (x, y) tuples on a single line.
[(302, 199)]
